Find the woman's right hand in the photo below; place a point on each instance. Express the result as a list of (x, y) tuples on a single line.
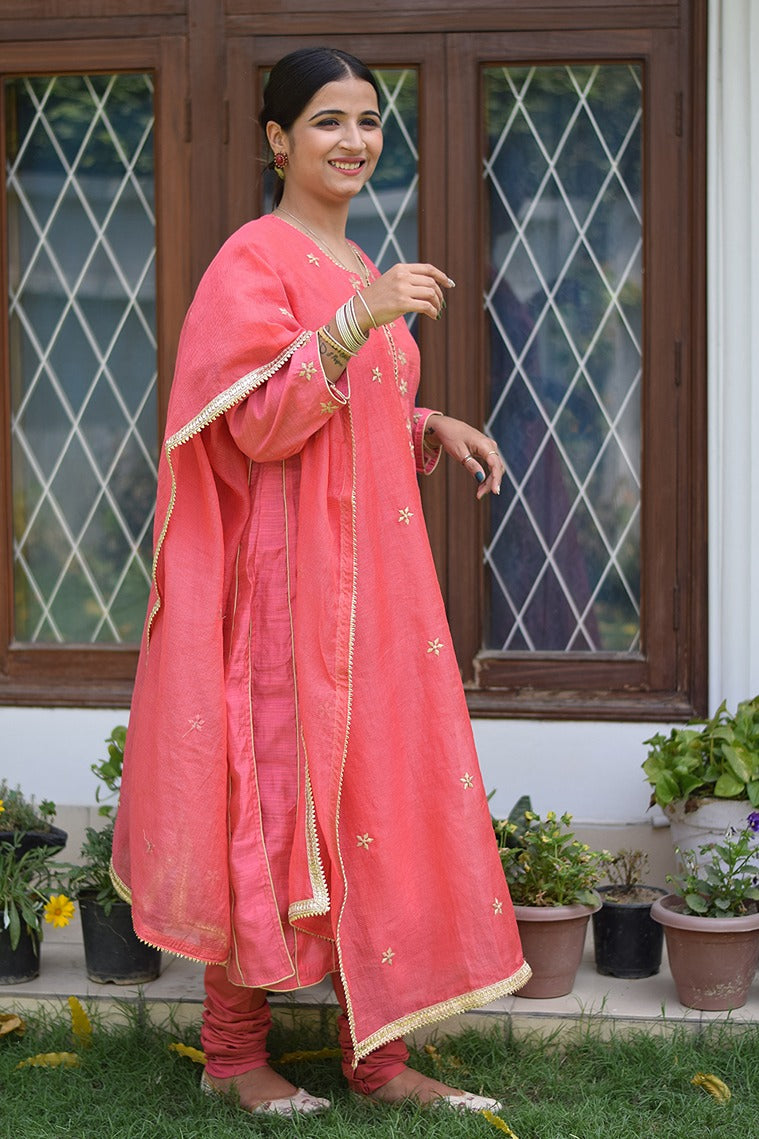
[(404, 288)]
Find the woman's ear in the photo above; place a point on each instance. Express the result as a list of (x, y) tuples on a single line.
[(276, 136)]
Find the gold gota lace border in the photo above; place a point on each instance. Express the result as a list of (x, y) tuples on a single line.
[(351, 647), (319, 903), (442, 1011), (217, 407)]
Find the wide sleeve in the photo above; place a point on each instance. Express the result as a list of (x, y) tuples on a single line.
[(245, 355), (278, 418)]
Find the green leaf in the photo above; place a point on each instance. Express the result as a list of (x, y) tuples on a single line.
[(696, 903), (14, 926), (742, 768), (666, 789), (728, 786)]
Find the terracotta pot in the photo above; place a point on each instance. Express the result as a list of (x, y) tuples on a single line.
[(553, 939), (712, 960), (627, 942), (708, 822)]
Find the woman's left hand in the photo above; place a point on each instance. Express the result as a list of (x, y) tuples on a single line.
[(478, 454)]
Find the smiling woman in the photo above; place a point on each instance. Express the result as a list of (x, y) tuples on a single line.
[(292, 557)]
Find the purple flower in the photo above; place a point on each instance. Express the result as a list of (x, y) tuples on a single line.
[(753, 821)]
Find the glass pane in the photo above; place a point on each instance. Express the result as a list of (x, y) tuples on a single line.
[(384, 216), (81, 274), (563, 303)]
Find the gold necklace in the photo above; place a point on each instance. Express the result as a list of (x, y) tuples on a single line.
[(300, 224)]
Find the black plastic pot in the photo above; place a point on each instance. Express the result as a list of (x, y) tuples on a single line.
[(628, 942), (112, 950), (22, 963), (55, 838)]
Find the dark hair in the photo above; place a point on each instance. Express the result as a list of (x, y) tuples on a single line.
[(297, 77)]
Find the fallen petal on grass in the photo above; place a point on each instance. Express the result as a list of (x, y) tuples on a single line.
[(9, 1022), (187, 1050), (50, 1060), (81, 1026)]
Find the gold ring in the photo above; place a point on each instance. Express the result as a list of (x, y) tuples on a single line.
[(467, 458), (492, 452)]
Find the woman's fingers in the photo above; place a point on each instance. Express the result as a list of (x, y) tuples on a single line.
[(484, 464), (408, 288)]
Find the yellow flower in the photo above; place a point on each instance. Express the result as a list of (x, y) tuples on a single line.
[(59, 911), (2, 806)]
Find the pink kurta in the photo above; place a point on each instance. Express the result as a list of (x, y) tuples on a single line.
[(301, 791)]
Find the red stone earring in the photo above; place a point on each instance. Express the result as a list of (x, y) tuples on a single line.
[(280, 162)]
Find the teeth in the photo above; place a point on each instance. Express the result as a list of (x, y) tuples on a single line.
[(347, 165)]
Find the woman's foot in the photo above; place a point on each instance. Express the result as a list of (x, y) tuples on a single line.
[(262, 1090), (412, 1085)]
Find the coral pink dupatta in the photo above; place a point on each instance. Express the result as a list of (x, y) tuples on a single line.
[(394, 876)]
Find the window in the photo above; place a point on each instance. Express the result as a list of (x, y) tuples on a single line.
[(86, 362), (549, 157)]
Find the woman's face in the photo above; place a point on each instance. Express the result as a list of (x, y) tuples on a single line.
[(334, 144)]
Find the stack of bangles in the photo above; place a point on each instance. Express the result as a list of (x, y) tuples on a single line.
[(350, 331)]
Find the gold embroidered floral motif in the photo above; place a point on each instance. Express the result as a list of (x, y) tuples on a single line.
[(307, 370), (467, 780), (402, 358), (329, 407), (405, 515), (497, 906), (377, 375), (196, 725), (435, 646), (313, 258), (403, 387), (364, 840), (285, 312), (356, 284), (387, 957), (408, 425)]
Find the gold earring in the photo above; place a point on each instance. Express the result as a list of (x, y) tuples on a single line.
[(280, 162)]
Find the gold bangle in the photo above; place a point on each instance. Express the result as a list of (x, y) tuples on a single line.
[(335, 344)]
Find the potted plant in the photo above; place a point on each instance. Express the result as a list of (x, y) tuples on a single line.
[(552, 879), (112, 950), (712, 923), (26, 824), (705, 774), (27, 879), (626, 940)]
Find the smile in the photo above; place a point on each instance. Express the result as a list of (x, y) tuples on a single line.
[(348, 167)]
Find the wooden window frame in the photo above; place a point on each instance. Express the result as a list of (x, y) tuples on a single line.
[(98, 675), (667, 680), (193, 48)]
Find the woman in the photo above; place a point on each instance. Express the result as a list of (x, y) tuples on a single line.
[(301, 794)]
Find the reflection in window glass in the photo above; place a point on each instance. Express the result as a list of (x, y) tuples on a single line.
[(564, 308), (81, 269)]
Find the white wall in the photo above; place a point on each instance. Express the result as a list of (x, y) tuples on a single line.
[(733, 362), (591, 770)]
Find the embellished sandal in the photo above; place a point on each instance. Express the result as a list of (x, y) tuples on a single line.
[(467, 1101), (301, 1103)]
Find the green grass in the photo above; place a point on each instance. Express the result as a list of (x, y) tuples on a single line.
[(129, 1085)]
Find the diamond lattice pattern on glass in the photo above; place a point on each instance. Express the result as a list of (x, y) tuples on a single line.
[(81, 241), (384, 216), (563, 304)]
